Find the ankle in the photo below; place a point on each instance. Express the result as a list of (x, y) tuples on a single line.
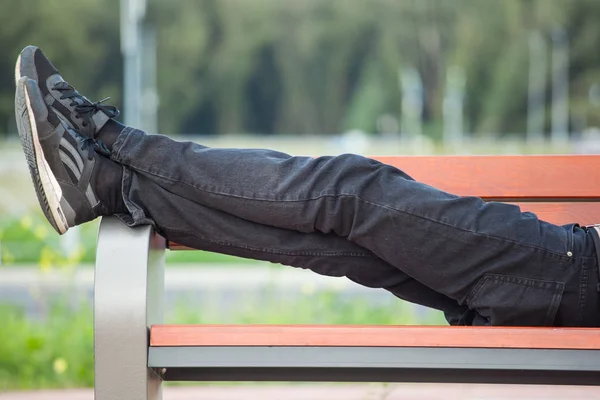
[(110, 132), (108, 186)]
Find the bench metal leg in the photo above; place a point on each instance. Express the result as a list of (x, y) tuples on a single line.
[(128, 299)]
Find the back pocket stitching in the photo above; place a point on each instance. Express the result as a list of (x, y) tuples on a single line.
[(556, 287)]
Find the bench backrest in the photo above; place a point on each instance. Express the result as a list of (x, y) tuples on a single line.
[(558, 189)]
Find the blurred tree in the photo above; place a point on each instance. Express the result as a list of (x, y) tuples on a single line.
[(311, 66), (81, 37)]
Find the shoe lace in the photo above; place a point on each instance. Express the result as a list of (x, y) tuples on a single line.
[(92, 146), (85, 109)]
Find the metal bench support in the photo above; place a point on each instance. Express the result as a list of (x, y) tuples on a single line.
[(378, 364), (128, 299)]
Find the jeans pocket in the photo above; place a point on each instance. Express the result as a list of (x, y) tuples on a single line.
[(516, 301)]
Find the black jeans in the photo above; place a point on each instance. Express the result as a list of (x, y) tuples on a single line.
[(481, 263)]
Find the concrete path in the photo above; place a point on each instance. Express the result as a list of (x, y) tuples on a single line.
[(344, 392)]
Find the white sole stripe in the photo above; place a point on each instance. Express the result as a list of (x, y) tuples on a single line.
[(18, 70), (50, 185)]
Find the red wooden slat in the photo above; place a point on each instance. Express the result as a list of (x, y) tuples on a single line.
[(506, 177), (556, 213), (374, 336)]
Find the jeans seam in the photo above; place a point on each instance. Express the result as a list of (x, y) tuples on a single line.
[(268, 251), (550, 252), (583, 292), (518, 280), (555, 304)]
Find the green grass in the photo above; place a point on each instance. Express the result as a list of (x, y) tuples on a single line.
[(29, 239), (197, 258), (57, 350)]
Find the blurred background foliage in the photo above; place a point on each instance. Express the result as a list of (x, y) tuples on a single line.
[(311, 66), (56, 351), (286, 71)]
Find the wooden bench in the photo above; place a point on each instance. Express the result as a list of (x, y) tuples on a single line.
[(134, 353)]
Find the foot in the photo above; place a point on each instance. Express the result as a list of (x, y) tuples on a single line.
[(69, 105), (63, 164)]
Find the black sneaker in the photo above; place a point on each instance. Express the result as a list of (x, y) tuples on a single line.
[(62, 163), (70, 106)]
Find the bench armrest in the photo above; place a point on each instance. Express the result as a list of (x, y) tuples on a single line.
[(128, 299)]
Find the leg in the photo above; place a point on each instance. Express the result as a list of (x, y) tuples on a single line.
[(487, 255), (75, 185), (197, 226), (509, 266)]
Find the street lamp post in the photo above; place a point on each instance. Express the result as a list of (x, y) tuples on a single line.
[(132, 16), (560, 86), (536, 99)]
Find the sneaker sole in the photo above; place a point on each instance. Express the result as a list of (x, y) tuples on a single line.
[(26, 57), (18, 70), (46, 186)]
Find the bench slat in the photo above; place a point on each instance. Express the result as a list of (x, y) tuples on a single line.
[(583, 213), (374, 336), (507, 177)]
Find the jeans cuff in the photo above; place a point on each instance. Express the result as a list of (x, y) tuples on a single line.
[(119, 149), (136, 215)]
